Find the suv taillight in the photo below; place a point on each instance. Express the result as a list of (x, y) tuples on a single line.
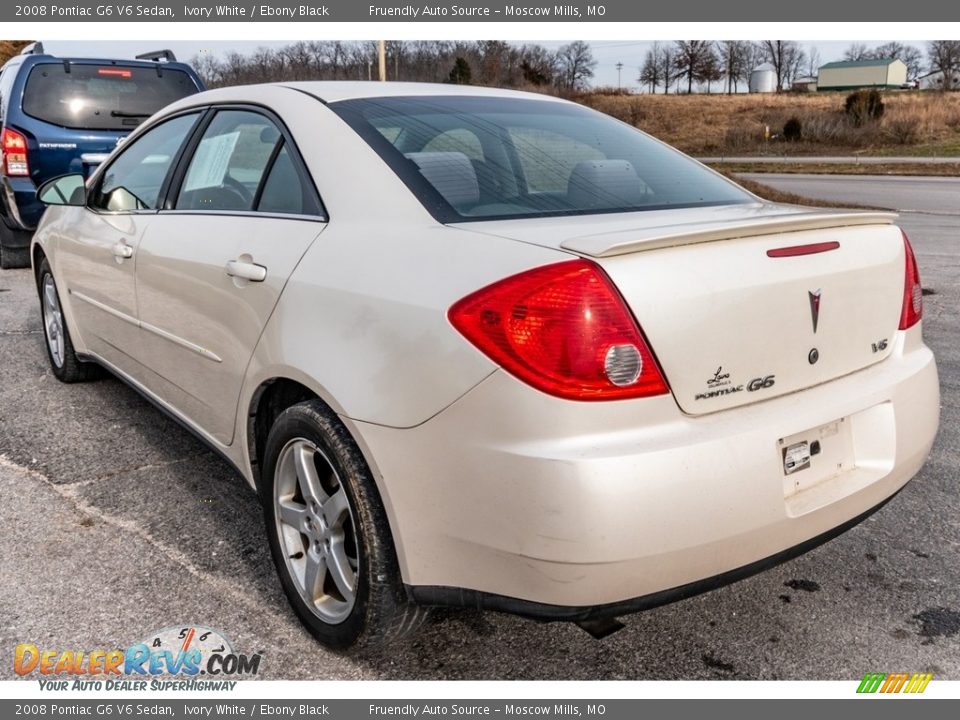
[(565, 330), (912, 291), (14, 153)]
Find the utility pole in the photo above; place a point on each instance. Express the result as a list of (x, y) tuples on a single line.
[(382, 54), (619, 70)]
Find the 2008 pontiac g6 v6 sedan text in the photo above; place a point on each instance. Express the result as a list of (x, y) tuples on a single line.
[(490, 349)]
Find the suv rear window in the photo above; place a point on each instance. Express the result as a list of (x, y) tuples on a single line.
[(101, 97)]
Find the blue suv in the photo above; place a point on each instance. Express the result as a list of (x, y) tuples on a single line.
[(65, 115)]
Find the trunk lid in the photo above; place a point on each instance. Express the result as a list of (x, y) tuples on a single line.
[(736, 315)]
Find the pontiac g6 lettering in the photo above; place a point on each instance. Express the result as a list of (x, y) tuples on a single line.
[(457, 338)]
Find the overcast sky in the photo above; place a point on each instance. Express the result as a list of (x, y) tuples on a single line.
[(607, 54)]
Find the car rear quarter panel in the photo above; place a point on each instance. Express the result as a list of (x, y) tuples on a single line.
[(363, 318)]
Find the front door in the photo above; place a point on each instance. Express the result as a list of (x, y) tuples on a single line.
[(211, 269), (97, 257)]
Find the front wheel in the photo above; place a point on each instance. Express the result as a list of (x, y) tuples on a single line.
[(329, 534), (64, 363)]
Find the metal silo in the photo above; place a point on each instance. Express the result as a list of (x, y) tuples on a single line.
[(763, 79)]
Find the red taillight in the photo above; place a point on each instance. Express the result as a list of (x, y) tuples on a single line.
[(912, 291), (565, 330), (14, 153)]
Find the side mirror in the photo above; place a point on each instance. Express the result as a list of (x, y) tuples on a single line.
[(64, 190)]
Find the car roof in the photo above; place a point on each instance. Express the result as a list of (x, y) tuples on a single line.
[(80, 60), (336, 90)]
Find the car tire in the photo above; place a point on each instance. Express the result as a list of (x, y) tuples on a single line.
[(64, 363), (328, 532), (13, 257)]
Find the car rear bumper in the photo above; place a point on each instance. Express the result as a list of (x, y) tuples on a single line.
[(606, 507), (479, 600)]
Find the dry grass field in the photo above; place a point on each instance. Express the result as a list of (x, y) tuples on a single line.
[(913, 123)]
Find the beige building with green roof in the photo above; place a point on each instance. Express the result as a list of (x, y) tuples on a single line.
[(887, 73)]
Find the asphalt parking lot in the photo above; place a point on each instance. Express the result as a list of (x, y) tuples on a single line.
[(116, 523)]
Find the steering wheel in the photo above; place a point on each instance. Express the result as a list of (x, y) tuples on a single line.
[(231, 183)]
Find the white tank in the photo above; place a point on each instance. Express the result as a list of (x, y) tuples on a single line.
[(763, 79)]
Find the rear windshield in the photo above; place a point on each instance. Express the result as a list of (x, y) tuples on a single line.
[(101, 97), (482, 158)]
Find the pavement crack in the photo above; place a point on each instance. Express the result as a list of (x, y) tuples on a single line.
[(71, 495), (137, 468)]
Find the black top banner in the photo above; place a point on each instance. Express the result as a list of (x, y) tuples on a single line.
[(479, 11)]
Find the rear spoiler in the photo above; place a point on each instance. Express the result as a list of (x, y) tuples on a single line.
[(158, 55), (34, 48), (630, 241)]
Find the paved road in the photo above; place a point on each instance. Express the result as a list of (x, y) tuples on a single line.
[(836, 159), (934, 195), (116, 523)]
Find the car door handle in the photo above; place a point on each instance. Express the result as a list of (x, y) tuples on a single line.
[(122, 250), (246, 270)]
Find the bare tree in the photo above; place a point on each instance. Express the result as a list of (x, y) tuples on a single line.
[(651, 72), (497, 63), (691, 60), (711, 70), (813, 61), (910, 55), (666, 68), (735, 60), (538, 66), (857, 52), (785, 56), (575, 65), (944, 56)]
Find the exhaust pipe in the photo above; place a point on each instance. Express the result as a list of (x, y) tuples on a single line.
[(600, 628)]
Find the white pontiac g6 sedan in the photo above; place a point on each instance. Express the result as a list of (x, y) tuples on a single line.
[(491, 349)]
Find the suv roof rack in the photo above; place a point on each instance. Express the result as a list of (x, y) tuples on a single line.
[(34, 48), (158, 55)]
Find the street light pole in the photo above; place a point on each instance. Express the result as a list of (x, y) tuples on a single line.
[(619, 70)]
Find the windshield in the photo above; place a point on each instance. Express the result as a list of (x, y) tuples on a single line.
[(101, 97), (485, 158)]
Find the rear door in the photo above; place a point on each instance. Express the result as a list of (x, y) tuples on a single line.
[(210, 270), (96, 259)]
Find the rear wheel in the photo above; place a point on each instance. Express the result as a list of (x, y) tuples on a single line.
[(14, 257), (329, 535), (64, 363)]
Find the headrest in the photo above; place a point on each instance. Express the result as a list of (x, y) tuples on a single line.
[(604, 184), (451, 174)]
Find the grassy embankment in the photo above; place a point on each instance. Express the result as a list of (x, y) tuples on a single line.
[(920, 124), (913, 124)]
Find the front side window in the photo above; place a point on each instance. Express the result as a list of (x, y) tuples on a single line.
[(482, 158), (134, 179)]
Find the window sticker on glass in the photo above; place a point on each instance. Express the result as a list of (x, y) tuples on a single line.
[(210, 162)]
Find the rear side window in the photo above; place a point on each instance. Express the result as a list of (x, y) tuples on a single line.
[(284, 191), (101, 97), (243, 164), (229, 163)]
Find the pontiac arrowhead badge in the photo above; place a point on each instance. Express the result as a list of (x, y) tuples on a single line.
[(815, 307)]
